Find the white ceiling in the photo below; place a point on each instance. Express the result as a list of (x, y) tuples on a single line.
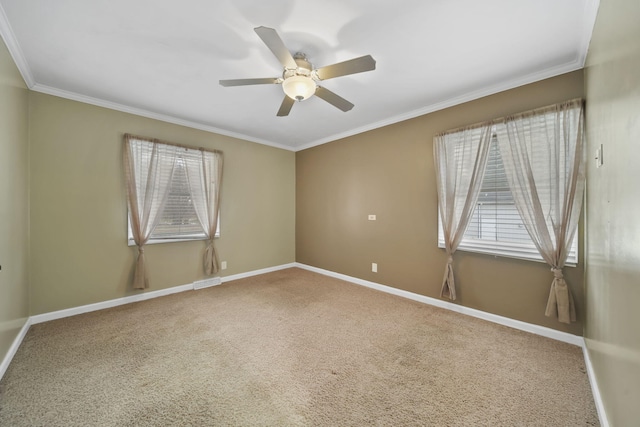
[(163, 58)]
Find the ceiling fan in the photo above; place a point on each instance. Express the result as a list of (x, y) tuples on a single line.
[(299, 79)]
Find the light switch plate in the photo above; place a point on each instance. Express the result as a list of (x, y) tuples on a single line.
[(372, 217), (599, 156)]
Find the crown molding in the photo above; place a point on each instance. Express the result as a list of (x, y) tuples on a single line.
[(590, 13), (7, 34), (14, 49), (574, 65), (152, 115)]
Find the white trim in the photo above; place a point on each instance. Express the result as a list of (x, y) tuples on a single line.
[(597, 398), (233, 277), (451, 102), (11, 41), (39, 318), (14, 347), (539, 330), (37, 87), (505, 249), (505, 321), (590, 13), (45, 317)]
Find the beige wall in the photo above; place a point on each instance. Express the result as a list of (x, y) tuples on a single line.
[(79, 253), (14, 199), (389, 172), (612, 82)]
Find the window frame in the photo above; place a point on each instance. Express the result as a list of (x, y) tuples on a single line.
[(507, 249), (183, 237)]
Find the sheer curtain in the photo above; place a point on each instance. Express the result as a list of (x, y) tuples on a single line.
[(460, 161), (204, 174), (544, 157), (148, 168)]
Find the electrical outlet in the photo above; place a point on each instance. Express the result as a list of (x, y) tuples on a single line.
[(374, 267), (223, 265), (372, 217)]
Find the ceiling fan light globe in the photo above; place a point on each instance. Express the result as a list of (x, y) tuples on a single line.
[(299, 88)]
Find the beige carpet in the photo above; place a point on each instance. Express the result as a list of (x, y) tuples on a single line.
[(285, 349)]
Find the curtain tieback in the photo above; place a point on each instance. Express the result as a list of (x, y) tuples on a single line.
[(557, 273), (450, 260), (140, 249)]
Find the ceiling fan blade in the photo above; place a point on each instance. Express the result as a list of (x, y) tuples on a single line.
[(246, 82), (285, 107), (273, 41), (352, 66), (333, 99)]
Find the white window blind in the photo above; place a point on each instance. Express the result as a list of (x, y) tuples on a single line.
[(178, 219), (496, 226)]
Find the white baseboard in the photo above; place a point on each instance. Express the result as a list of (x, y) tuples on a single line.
[(597, 397), (257, 272), (39, 318), (59, 314), (512, 323), (14, 347), (516, 324), (535, 329)]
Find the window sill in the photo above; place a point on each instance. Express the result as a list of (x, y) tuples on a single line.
[(130, 242), (524, 254)]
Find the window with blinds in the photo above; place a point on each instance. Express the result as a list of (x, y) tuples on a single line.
[(178, 219), (496, 226)]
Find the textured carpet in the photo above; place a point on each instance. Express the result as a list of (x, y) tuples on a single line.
[(290, 348)]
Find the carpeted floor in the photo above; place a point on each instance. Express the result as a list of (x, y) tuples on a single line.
[(290, 348)]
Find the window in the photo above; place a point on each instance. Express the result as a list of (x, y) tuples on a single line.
[(495, 226), (178, 220)]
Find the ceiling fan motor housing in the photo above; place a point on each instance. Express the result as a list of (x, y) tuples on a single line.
[(299, 83)]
